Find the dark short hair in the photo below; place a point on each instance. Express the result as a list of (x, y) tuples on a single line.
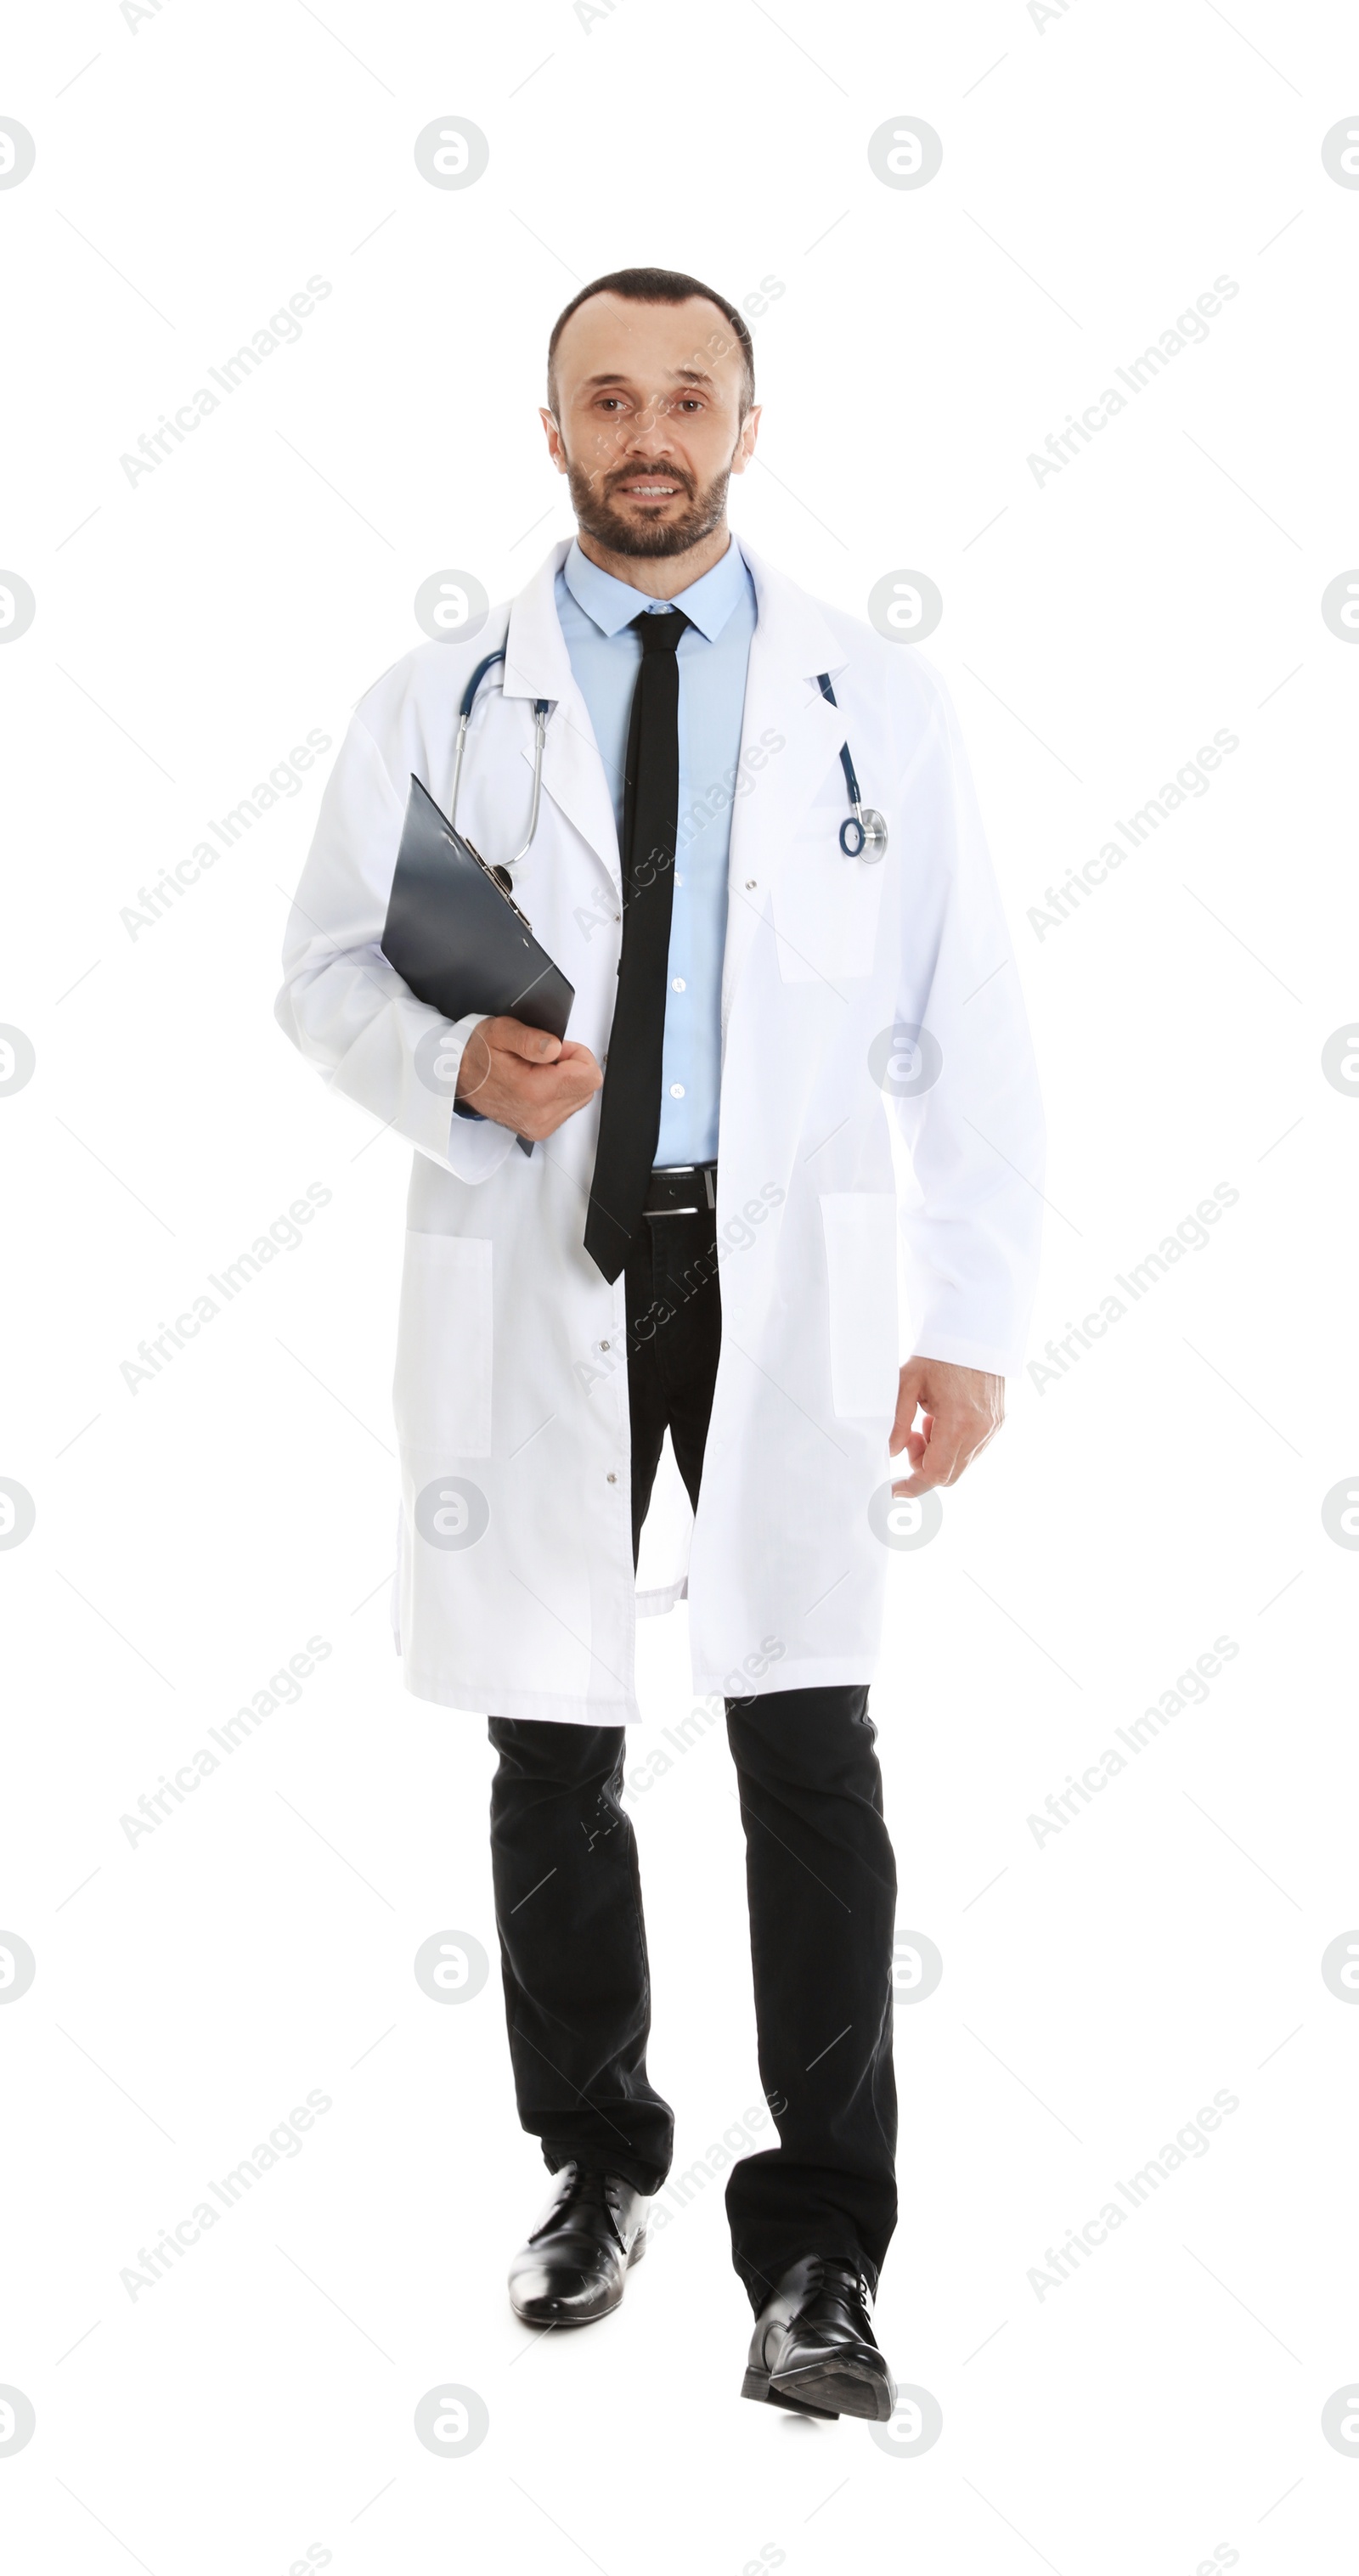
[(654, 286)]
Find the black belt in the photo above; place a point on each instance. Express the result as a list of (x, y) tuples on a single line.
[(682, 1189)]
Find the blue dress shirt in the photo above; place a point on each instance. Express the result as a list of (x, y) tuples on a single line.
[(596, 614)]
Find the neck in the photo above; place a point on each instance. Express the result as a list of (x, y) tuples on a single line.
[(658, 576)]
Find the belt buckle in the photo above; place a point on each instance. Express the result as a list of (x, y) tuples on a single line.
[(676, 1170)]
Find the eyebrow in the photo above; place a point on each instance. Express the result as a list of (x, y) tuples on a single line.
[(681, 375)]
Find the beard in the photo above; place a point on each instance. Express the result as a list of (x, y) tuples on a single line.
[(590, 499)]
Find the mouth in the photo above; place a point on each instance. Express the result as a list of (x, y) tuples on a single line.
[(648, 489)]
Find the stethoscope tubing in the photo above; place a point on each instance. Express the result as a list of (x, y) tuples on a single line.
[(863, 834), (540, 714)]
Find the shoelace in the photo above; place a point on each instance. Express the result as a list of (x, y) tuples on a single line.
[(588, 2189), (836, 2274), (590, 2185)]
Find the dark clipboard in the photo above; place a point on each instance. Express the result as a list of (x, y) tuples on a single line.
[(458, 938)]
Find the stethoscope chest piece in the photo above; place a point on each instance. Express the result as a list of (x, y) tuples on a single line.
[(863, 834)]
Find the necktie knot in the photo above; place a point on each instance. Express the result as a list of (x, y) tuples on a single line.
[(660, 631)]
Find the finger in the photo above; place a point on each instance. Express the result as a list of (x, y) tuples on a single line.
[(908, 1388), (946, 1452), (554, 1082), (578, 1069), (514, 1037), (924, 1481)]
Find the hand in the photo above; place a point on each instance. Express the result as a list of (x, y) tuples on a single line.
[(524, 1079), (963, 1408)]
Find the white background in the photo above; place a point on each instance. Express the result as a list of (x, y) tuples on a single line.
[(1099, 172)]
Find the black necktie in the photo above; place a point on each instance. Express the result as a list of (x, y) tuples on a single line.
[(630, 1104)]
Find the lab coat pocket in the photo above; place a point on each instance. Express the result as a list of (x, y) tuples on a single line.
[(861, 1273), (442, 1395), (825, 907)]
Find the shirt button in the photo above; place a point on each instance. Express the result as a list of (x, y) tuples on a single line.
[(677, 1091), (750, 885), (677, 984), (603, 1346), (611, 1479)]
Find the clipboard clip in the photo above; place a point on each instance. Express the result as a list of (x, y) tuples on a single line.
[(500, 877)]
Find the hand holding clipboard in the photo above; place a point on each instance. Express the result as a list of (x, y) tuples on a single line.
[(458, 939)]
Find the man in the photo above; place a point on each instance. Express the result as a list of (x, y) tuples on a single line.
[(703, 1242)]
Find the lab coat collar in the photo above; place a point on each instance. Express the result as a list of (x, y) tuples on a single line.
[(791, 632)]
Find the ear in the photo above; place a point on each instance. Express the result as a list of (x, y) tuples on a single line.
[(745, 444), (555, 448)]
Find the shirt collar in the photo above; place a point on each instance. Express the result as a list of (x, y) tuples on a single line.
[(612, 605)]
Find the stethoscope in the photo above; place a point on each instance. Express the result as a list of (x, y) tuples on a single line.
[(863, 833), (540, 712)]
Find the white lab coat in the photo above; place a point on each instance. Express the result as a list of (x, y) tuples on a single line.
[(515, 1591)]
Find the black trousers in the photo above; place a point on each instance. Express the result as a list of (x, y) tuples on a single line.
[(820, 1880)]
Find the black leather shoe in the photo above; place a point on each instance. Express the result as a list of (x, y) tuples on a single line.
[(813, 2348), (577, 2257)]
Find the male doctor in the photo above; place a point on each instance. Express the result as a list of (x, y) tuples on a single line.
[(704, 1242)]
